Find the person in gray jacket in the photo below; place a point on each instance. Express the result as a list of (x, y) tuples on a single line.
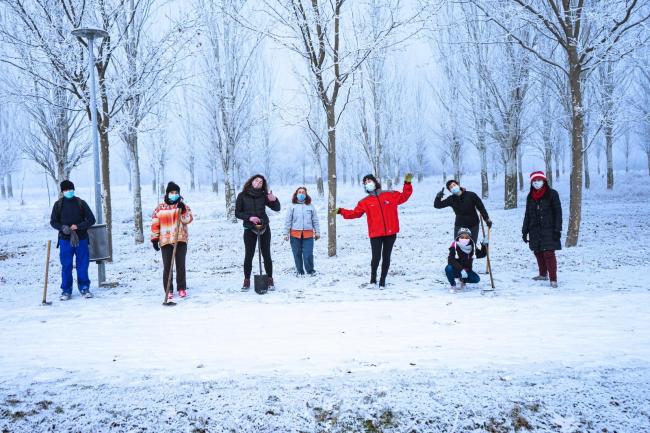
[(301, 226)]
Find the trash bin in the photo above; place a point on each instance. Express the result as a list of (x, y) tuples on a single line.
[(98, 243)]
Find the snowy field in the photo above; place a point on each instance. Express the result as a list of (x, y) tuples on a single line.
[(323, 354)]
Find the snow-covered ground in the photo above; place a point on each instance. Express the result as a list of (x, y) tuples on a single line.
[(323, 353)]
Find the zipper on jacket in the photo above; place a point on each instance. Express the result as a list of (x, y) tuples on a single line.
[(381, 209)]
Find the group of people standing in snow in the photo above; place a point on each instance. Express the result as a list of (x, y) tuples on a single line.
[(541, 229)]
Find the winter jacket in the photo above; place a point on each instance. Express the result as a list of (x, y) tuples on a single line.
[(460, 260), (253, 203), (381, 210), (163, 224), (69, 211), (464, 207), (543, 222), (301, 216)]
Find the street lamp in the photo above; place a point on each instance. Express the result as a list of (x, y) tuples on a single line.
[(91, 34)]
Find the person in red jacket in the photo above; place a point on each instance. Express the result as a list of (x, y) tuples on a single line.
[(383, 222)]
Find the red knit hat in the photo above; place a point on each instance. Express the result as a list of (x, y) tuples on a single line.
[(537, 175)]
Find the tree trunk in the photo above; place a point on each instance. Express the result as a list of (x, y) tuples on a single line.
[(485, 186), (331, 180), (106, 174), (136, 193), (577, 132), (520, 169), (319, 186), (648, 155), (609, 144), (585, 158), (10, 187), (548, 163), (229, 190), (3, 191), (510, 181)]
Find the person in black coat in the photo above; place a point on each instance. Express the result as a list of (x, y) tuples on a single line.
[(251, 209), (542, 227), (465, 204), (72, 217), (460, 259)]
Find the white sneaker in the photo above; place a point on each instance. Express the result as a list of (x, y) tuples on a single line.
[(65, 297), (453, 289)]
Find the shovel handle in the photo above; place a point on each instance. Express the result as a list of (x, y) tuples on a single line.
[(47, 270)]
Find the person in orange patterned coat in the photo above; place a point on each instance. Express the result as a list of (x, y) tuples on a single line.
[(163, 235)]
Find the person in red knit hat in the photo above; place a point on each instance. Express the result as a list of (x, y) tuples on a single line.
[(542, 227)]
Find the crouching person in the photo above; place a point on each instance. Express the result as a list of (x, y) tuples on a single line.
[(72, 217), (461, 253)]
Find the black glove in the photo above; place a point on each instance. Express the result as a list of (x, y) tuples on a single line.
[(154, 244), (65, 230), (525, 237), (181, 206), (489, 223), (557, 235), (441, 193)]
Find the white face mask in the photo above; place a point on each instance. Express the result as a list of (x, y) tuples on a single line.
[(463, 242), (538, 184), (370, 186), (455, 190)]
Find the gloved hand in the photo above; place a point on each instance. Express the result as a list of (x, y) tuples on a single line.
[(463, 274), (271, 197), (154, 244), (316, 237), (489, 223), (525, 237), (336, 211), (408, 178), (65, 230), (557, 235), (254, 220), (181, 206), (485, 242), (74, 239), (441, 193)]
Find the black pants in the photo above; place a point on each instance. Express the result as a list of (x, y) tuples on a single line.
[(382, 247), (250, 242), (474, 231), (181, 252)]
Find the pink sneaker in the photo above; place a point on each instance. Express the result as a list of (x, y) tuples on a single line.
[(170, 296), (182, 293)]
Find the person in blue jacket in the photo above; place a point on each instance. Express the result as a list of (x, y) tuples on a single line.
[(302, 227)]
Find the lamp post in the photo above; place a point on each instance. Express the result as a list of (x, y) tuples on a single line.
[(91, 34)]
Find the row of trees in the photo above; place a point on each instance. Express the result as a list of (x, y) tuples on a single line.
[(505, 78)]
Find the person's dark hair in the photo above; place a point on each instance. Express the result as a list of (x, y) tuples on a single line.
[(249, 183), (372, 178), (450, 181), (294, 200)]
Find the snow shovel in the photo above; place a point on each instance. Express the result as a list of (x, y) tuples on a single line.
[(47, 273), (261, 281), (167, 302), (488, 267)]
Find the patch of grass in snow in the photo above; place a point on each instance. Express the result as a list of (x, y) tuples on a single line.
[(519, 422)]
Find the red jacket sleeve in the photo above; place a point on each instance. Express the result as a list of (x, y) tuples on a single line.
[(405, 194), (357, 212)]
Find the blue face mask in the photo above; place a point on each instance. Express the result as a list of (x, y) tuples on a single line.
[(370, 186), (173, 197), (69, 194), (301, 197), (455, 190)]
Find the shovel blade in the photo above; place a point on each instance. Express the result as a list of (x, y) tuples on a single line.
[(261, 284)]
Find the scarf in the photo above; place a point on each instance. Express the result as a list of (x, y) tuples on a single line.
[(467, 249), (256, 193), (537, 194)]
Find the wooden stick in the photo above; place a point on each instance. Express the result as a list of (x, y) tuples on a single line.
[(47, 271)]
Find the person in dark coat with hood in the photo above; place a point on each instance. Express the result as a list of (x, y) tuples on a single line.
[(380, 208), (542, 227), (465, 204), (250, 207), (72, 217)]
